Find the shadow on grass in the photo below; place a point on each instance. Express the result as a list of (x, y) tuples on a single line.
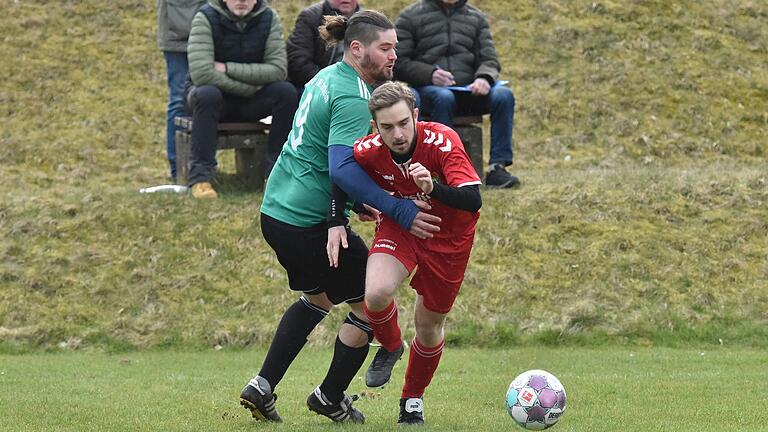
[(233, 185)]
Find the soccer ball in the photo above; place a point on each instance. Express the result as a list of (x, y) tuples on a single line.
[(536, 399)]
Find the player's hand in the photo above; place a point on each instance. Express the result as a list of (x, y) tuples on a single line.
[(480, 87), (372, 214), (442, 78), (422, 177), (337, 236), (219, 66), (424, 224)]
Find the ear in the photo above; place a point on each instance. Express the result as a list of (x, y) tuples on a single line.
[(356, 48), (415, 115), (373, 126)]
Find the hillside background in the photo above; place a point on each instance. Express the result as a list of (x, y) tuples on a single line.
[(640, 138)]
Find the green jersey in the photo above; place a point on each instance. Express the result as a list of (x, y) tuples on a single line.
[(333, 110)]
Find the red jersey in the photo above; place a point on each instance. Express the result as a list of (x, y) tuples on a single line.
[(438, 149)]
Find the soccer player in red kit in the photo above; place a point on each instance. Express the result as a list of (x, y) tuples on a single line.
[(427, 162)]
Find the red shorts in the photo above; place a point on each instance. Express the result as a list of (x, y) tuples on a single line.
[(441, 264)]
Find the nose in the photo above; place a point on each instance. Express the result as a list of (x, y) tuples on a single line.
[(393, 56)]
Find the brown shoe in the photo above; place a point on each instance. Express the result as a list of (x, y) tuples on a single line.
[(204, 190)]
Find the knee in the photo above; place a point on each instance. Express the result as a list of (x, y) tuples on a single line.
[(442, 96), (207, 96), (429, 332), (503, 96), (378, 295), (286, 92)]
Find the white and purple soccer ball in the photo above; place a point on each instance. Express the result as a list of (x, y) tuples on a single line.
[(536, 399)]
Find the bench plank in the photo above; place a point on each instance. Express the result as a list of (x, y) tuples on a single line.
[(248, 140)]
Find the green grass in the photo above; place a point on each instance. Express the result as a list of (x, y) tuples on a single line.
[(618, 389), (640, 140)]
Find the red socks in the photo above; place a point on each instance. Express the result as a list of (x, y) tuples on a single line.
[(422, 363), (384, 325)]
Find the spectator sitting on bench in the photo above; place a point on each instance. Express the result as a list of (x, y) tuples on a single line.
[(237, 67), (307, 51), (444, 43)]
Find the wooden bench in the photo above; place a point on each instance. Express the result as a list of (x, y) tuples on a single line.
[(249, 140)]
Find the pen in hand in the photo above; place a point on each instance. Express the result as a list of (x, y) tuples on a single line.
[(444, 76)]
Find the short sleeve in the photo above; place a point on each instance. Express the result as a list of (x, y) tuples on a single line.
[(457, 168), (350, 120)]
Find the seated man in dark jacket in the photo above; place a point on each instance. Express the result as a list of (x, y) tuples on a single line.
[(307, 52), (237, 66), (445, 43)]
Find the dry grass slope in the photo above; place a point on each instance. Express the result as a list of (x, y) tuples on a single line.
[(640, 136)]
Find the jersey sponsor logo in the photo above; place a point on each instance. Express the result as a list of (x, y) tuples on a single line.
[(437, 139), (420, 196), (322, 84)]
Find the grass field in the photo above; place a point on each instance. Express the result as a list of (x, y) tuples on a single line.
[(640, 137), (632, 262), (608, 390)]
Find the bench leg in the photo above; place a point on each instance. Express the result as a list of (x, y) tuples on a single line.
[(183, 144), (250, 167), (472, 138)]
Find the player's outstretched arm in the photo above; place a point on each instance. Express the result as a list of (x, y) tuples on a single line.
[(346, 173)]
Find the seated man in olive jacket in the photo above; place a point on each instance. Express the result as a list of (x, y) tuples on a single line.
[(307, 52), (237, 66), (447, 43)]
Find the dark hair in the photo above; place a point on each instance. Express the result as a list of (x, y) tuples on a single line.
[(388, 94), (363, 26)]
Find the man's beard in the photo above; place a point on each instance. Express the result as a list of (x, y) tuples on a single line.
[(378, 74)]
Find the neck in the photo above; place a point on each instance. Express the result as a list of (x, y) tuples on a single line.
[(401, 158), (355, 64)]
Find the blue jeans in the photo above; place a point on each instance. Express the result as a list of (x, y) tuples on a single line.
[(176, 62), (442, 104)]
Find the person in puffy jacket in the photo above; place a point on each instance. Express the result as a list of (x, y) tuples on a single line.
[(237, 69), (307, 52), (446, 53)]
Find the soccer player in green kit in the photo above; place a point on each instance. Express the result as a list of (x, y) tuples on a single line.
[(332, 114)]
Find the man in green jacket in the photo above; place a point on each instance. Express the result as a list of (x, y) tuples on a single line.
[(174, 19), (238, 67), (446, 53)]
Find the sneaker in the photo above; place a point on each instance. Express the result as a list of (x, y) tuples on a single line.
[(257, 397), (380, 370), (411, 411), (338, 412), (203, 190), (498, 177)]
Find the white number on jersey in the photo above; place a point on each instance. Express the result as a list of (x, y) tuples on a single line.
[(298, 123)]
